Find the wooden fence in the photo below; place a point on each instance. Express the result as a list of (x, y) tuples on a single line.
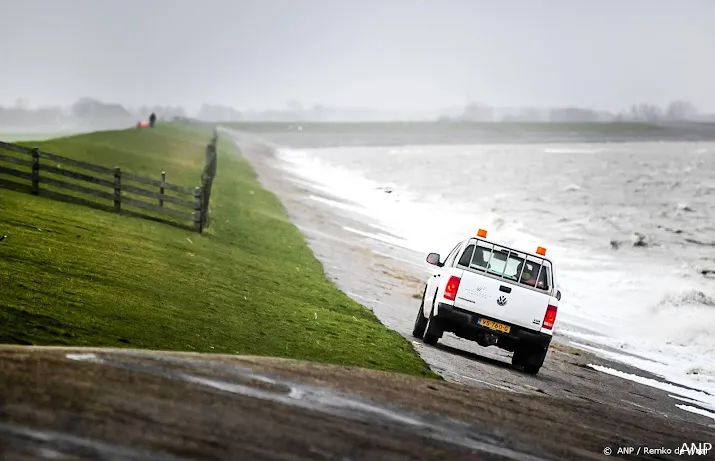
[(188, 204)]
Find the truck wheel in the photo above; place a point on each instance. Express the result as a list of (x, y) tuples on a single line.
[(531, 369), (530, 358), (517, 358), (418, 330), (432, 332)]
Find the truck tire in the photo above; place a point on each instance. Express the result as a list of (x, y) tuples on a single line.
[(418, 331), (530, 358), (432, 331)]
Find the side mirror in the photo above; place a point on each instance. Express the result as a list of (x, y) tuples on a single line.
[(558, 295), (433, 258)]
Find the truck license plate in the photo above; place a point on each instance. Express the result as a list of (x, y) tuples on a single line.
[(494, 325)]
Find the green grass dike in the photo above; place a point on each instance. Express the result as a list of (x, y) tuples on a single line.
[(76, 276)]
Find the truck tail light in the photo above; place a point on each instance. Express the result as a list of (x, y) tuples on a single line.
[(550, 317), (450, 291)]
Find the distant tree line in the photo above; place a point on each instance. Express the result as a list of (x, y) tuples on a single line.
[(85, 112), (163, 113), (90, 112), (676, 111)]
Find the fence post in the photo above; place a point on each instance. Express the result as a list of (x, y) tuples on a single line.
[(161, 189), (209, 155), (117, 189), (207, 177), (198, 211), (35, 171), (206, 197)]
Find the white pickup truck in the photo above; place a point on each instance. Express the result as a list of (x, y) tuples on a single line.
[(494, 295)]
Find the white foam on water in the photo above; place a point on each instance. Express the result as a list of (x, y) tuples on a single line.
[(680, 373), (645, 310), (710, 407), (421, 223), (691, 395), (696, 410), (572, 150), (381, 237)]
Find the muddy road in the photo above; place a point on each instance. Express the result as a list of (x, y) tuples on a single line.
[(96, 404)]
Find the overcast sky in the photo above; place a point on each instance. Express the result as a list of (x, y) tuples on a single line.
[(383, 54)]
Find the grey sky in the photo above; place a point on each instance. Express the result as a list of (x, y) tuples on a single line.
[(384, 54)]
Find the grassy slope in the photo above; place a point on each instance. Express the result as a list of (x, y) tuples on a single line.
[(77, 276)]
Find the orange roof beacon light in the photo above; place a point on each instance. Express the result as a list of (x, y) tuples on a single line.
[(481, 233), (541, 251)]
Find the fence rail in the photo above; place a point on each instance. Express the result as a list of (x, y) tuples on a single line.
[(192, 207)]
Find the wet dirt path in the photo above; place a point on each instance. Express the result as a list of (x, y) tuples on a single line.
[(103, 404)]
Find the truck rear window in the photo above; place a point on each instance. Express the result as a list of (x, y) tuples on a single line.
[(508, 264)]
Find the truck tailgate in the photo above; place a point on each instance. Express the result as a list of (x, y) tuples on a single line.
[(501, 300)]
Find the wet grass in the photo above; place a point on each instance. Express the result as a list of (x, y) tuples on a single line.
[(21, 136), (73, 275)]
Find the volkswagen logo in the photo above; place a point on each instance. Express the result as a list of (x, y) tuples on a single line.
[(501, 300)]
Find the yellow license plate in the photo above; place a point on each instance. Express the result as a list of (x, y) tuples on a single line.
[(494, 325)]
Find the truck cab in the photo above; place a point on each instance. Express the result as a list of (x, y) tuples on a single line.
[(494, 295)]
